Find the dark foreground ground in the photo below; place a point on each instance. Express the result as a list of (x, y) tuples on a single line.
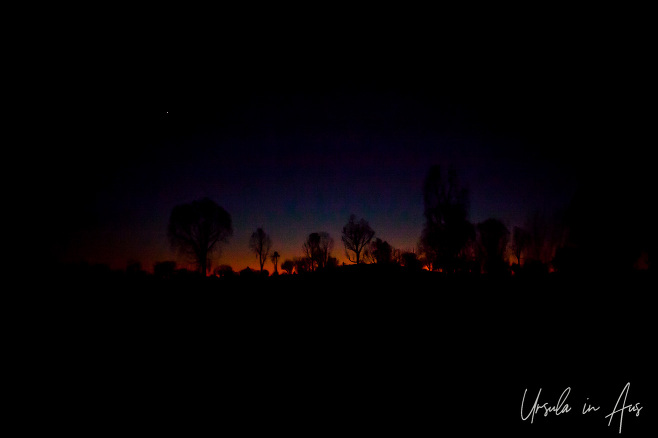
[(360, 353)]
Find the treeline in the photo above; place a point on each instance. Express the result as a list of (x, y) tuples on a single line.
[(564, 241), (449, 242)]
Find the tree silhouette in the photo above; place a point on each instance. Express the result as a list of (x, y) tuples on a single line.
[(288, 266), (520, 241), (332, 262), (311, 248), (381, 251), (546, 233), (198, 229), (410, 261), (356, 237), (303, 264), (134, 268), (164, 270), (223, 271), (325, 248), (318, 248), (275, 260), (249, 274), (618, 243), (260, 243), (396, 256), (447, 230), (493, 236)]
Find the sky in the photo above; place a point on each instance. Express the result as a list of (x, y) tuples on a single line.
[(295, 137)]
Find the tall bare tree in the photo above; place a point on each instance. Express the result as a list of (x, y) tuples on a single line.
[(311, 248), (275, 260), (447, 230), (325, 248), (356, 237), (318, 248), (198, 229), (260, 243)]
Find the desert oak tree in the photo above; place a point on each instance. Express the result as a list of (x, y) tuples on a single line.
[(198, 229)]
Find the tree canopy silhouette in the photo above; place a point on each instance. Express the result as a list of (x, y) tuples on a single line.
[(356, 237), (382, 251), (303, 264), (198, 229), (493, 238), (318, 248), (223, 271), (447, 230), (288, 266), (260, 243)]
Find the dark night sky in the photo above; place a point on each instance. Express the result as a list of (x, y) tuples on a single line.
[(294, 129)]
